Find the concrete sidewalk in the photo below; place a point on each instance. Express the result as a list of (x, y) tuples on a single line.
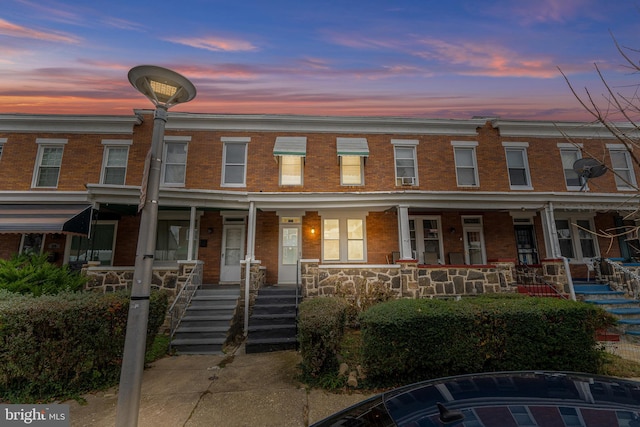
[(237, 390)]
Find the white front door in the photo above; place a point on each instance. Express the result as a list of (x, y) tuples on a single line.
[(474, 245), (232, 250), (290, 236)]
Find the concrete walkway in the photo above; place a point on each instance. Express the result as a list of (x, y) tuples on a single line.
[(238, 390)]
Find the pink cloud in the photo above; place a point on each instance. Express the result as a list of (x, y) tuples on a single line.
[(215, 44), (12, 30), (551, 10)]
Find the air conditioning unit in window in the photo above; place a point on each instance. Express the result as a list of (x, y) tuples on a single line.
[(407, 180)]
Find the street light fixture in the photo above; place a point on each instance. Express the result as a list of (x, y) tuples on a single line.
[(165, 88)]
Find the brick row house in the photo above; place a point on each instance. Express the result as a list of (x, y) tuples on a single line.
[(289, 192)]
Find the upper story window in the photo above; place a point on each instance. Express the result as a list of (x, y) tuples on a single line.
[(291, 151), (234, 167), (569, 153), (517, 165), (114, 161), (466, 165), (352, 152), (2, 142), (343, 238), (48, 162), (622, 167), (174, 165), (405, 160)]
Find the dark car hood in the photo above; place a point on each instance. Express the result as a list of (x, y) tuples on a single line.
[(502, 399)]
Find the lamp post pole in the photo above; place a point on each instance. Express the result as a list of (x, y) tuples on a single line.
[(164, 88)]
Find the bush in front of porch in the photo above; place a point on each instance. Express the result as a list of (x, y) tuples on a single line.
[(59, 346), (34, 274), (411, 340)]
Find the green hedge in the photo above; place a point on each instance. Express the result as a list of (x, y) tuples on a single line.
[(412, 340), (321, 323), (63, 345), (33, 274)]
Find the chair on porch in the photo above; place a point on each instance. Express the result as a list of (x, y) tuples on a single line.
[(431, 258), (456, 258)]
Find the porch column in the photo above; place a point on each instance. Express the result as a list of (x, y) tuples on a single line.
[(404, 234), (550, 232), (192, 233), (251, 232)]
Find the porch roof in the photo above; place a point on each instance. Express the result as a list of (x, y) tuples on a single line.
[(45, 218)]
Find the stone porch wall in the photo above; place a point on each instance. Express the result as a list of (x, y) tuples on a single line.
[(405, 279)]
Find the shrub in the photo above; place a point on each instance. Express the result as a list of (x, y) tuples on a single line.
[(321, 324), (411, 340), (63, 345), (33, 274)]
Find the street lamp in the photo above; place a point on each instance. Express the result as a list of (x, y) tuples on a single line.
[(165, 88)]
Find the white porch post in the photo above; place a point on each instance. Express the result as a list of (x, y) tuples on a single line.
[(550, 233), (192, 233), (403, 232), (251, 231)]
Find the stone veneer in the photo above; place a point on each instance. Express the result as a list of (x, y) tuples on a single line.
[(406, 279)]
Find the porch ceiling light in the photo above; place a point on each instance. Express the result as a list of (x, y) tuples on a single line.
[(161, 86)]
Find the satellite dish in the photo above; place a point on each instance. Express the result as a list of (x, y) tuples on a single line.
[(588, 168)]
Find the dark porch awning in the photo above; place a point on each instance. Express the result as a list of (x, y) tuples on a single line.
[(43, 218)]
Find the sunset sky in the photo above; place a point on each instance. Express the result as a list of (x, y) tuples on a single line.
[(412, 58)]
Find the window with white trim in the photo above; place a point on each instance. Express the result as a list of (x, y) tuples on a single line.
[(290, 152), (576, 237), (622, 167), (466, 165), (234, 167), (2, 142), (291, 170), (343, 239), (114, 161), (405, 161), (351, 154), (48, 162), (569, 154), (517, 165), (174, 166)]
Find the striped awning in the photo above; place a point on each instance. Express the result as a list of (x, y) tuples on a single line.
[(352, 147), (44, 218), (290, 146)]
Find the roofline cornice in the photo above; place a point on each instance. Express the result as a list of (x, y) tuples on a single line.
[(540, 129), (326, 124), (62, 123)]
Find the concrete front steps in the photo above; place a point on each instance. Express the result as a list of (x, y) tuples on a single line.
[(206, 323), (626, 309), (273, 321)]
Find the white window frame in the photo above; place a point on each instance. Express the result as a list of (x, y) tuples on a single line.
[(227, 141), (174, 140), (361, 169), (343, 238), (471, 146), (418, 238), (2, 142), (575, 235), (110, 144), (301, 169), (406, 144), (44, 143), (520, 147), (571, 148), (38, 251), (628, 170)]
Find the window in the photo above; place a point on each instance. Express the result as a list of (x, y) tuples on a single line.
[(32, 243), (576, 238), (2, 142), (517, 165), (406, 165), (622, 167), (569, 154), (99, 247), (426, 239), (48, 161), (466, 167), (235, 162), (291, 151), (343, 239), (291, 170), (172, 242), (114, 162), (352, 152), (174, 166)]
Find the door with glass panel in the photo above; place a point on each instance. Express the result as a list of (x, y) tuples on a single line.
[(290, 234), (232, 250), (474, 241), (426, 239)]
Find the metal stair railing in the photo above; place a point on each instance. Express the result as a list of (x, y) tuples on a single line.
[(619, 276), (182, 300), (534, 283)]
